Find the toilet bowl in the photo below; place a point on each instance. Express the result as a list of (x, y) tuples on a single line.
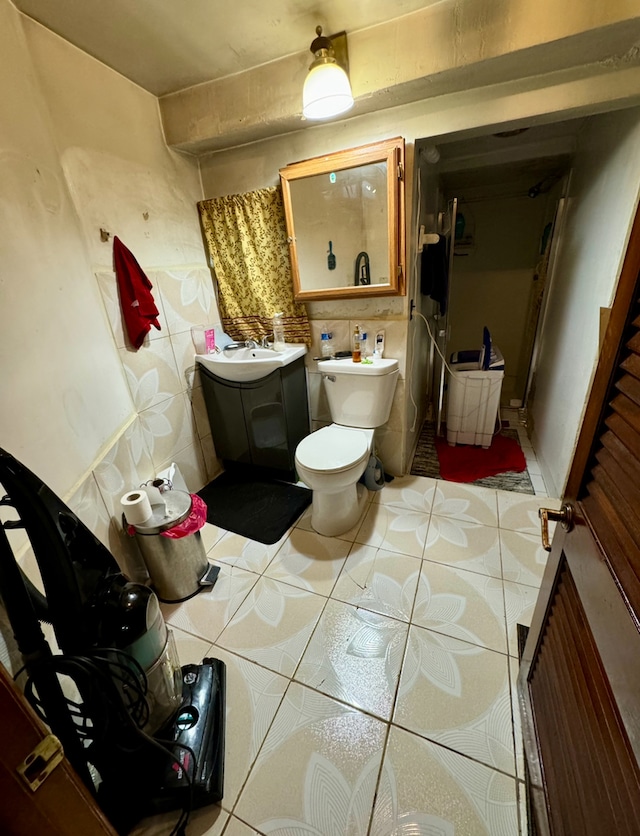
[(330, 461)]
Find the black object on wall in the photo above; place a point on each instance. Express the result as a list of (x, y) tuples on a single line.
[(434, 273)]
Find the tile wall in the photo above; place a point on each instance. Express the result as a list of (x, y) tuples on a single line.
[(170, 423)]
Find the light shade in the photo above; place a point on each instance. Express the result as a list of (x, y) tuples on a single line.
[(326, 92)]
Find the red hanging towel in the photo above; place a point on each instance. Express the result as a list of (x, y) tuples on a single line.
[(138, 308)]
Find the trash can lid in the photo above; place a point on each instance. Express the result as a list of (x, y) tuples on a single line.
[(177, 508)]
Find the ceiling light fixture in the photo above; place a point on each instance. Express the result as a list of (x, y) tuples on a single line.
[(327, 91)]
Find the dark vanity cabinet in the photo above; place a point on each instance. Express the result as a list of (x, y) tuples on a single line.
[(261, 422)]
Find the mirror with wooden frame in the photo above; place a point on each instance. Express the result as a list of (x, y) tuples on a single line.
[(345, 222)]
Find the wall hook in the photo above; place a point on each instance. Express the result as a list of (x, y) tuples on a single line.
[(104, 235)]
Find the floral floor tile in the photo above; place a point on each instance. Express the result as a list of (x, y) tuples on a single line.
[(520, 602), (466, 545), (355, 656), (520, 513), (522, 809), (239, 551), (191, 650), (462, 604), (427, 789), (317, 770), (380, 581), (412, 492), (273, 625), (208, 821), (468, 503), (514, 668), (254, 695), (210, 535), (208, 612), (394, 529), (310, 561), (457, 694), (235, 827), (304, 523), (523, 558)]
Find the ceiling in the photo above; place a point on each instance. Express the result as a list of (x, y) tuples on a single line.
[(168, 45)]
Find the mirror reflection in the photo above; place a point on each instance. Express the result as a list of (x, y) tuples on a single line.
[(343, 215)]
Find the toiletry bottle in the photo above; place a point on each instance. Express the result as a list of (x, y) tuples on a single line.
[(356, 348), (378, 351), (326, 342), (278, 332), (365, 350)]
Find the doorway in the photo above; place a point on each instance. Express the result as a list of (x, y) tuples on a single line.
[(497, 202)]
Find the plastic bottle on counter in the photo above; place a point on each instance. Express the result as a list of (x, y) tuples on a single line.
[(326, 342), (365, 346), (356, 348), (278, 332)]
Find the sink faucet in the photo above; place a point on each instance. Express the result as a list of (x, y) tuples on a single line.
[(264, 342), (236, 346)]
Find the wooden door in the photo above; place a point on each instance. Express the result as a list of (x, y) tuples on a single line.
[(579, 682), (61, 806)]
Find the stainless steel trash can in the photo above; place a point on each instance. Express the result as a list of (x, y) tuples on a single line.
[(176, 566)]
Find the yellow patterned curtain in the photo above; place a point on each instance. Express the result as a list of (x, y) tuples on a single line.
[(247, 240)]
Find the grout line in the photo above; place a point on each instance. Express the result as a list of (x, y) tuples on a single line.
[(377, 787)]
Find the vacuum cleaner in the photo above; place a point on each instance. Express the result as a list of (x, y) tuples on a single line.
[(144, 734)]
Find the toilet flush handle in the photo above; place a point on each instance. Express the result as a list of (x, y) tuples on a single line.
[(330, 377)]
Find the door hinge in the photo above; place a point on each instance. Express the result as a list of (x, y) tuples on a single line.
[(38, 765), (399, 272), (400, 171)]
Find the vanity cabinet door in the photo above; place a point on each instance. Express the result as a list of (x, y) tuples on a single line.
[(266, 423), (226, 419), (259, 423)]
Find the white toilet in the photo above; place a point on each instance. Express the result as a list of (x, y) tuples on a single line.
[(331, 460)]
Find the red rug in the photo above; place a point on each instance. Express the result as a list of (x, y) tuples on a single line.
[(466, 463)]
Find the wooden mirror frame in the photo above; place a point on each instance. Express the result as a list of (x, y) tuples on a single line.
[(390, 151)]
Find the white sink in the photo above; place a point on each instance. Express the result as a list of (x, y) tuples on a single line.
[(242, 365)]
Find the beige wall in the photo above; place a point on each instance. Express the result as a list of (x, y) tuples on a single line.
[(448, 48), (83, 149), (491, 281), (603, 198)]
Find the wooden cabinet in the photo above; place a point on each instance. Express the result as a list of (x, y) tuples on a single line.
[(259, 423)]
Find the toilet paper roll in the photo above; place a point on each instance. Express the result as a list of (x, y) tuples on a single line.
[(154, 494), (136, 507)]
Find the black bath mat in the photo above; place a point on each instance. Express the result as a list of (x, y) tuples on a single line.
[(256, 507)]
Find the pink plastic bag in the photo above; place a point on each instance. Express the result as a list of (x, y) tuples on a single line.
[(194, 522)]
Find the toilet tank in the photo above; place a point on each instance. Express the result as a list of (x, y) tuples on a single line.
[(359, 394)]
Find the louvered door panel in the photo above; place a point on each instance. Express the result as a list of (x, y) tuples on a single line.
[(612, 493), (592, 779)]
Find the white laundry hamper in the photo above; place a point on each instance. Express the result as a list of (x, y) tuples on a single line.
[(473, 395)]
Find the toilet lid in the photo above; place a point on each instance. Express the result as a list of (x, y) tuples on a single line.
[(332, 449)]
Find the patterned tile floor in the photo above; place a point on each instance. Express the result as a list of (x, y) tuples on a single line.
[(371, 677)]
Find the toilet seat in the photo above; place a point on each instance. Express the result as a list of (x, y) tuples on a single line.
[(332, 449)]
